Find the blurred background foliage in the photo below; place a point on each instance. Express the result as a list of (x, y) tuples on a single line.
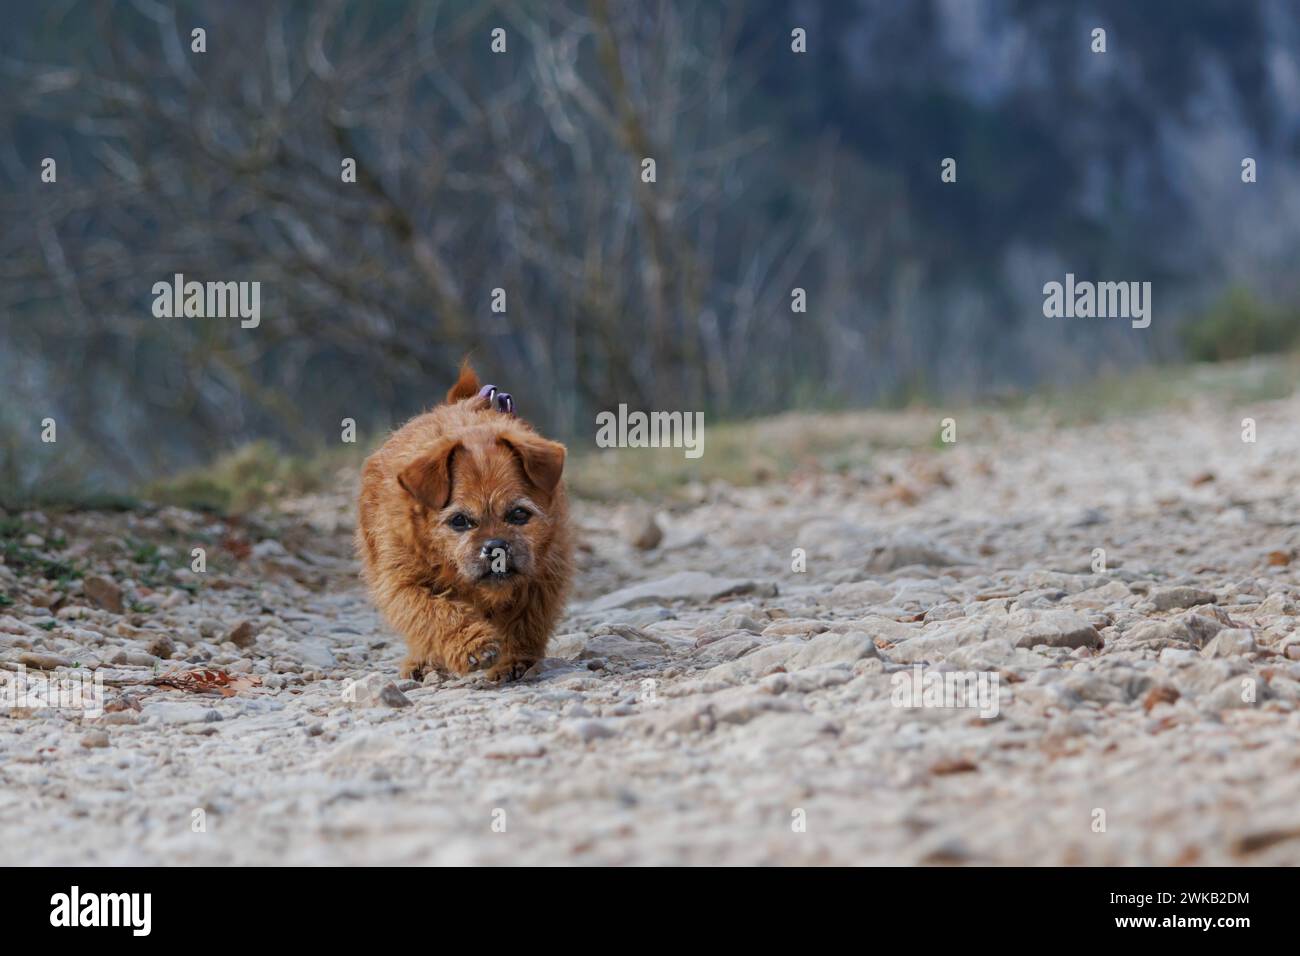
[(521, 171)]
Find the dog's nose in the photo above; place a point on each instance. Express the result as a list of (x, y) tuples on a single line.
[(493, 547)]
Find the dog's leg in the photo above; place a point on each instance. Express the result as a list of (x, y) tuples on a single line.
[(474, 645), (525, 642), (440, 634)]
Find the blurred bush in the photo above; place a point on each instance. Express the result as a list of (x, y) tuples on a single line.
[(1240, 324), (248, 477)]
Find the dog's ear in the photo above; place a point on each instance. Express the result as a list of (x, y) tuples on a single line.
[(467, 385), (428, 478), (543, 460)]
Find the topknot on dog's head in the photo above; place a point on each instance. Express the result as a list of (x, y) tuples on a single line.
[(467, 385)]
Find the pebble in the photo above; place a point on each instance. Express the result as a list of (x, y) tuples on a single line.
[(161, 646), (43, 661), (168, 712), (242, 635), (692, 586), (1229, 642), (103, 592), (589, 730), (514, 748), (642, 531), (1168, 599)]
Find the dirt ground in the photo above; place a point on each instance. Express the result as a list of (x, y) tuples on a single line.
[(742, 692)]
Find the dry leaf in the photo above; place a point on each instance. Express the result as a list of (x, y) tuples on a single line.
[(1159, 695), (953, 765), (206, 680), (238, 547), (901, 494)]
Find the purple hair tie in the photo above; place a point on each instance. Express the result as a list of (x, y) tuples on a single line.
[(501, 401)]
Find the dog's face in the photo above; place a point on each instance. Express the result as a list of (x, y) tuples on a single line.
[(484, 499)]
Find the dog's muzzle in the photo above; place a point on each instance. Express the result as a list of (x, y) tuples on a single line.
[(496, 559)]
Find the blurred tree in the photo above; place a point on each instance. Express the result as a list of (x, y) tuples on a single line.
[(521, 171)]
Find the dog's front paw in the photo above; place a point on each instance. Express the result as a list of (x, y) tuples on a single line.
[(508, 670), (413, 668), (480, 654)]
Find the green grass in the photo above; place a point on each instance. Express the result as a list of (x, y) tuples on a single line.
[(1153, 387), (774, 448), (249, 477), (1240, 324), (738, 453), (25, 561)]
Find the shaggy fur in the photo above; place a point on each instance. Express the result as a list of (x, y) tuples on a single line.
[(464, 537)]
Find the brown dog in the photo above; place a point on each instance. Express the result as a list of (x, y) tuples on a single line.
[(464, 536)]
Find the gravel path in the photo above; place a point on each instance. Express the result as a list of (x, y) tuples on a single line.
[(706, 703)]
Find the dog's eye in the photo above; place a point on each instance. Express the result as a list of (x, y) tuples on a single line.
[(519, 516), (460, 522)]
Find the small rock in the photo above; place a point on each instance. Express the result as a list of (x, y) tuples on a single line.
[(94, 738), (861, 592), (739, 621), (642, 531), (43, 661), (390, 696), (374, 691), (589, 730), (1193, 628), (1229, 642), (242, 635), (1055, 628), (103, 592), (514, 748), (168, 712), (683, 586), (1276, 603), (316, 653), (1168, 599), (907, 551), (161, 646), (796, 627), (568, 645), (11, 625), (622, 642), (1237, 693)]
